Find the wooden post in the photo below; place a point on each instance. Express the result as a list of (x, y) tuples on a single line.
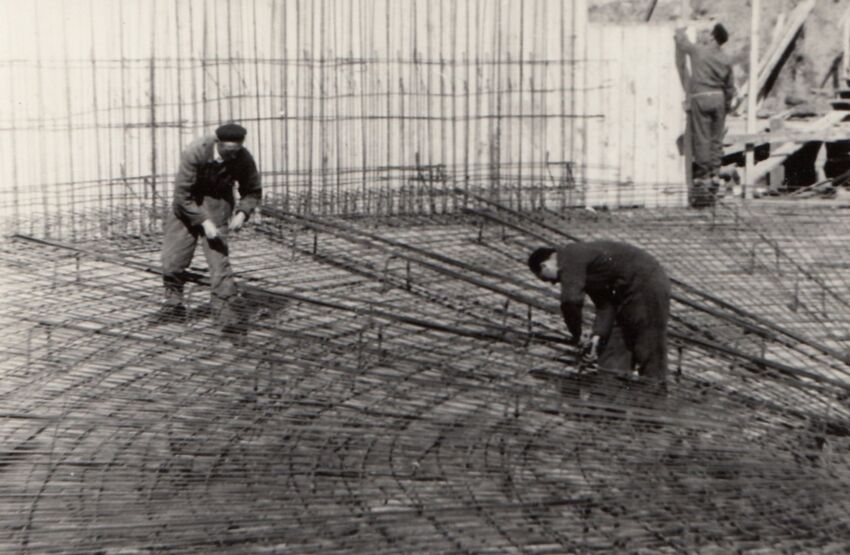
[(685, 78), (749, 184), (845, 46), (651, 9), (152, 76), (687, 143), (776, 176)]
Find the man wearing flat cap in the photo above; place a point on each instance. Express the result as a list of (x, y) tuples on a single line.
[(205, 207), (711, 91)]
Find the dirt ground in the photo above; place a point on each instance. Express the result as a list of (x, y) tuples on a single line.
[(804, 71)]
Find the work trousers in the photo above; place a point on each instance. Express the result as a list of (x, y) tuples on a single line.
[(708, 125), (178, 248), (639, 338), (614, 356)]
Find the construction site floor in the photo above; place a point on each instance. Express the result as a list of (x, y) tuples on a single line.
[(405, 385)]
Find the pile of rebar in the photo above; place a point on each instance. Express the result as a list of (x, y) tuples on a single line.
[(405, 385)]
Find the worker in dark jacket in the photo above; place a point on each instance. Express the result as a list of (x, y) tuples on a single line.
[(631, 293), (711, 89), (205, 207)]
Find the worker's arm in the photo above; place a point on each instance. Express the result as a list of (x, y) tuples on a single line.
[(683, 43), (184, 203), (606, 313), (250, 189), (729, 88), (571, 312), (572, 299)]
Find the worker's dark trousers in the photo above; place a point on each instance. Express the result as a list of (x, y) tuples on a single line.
[(614, 356), (708, 122), (178, 247), (642, 321)]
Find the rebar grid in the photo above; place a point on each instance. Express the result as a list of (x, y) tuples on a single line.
[(404, 386), (791, 258)]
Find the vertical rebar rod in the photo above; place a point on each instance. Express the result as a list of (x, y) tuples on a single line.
[(41, 127), (150, 209), (755, 15), (232, 84), (70, 177), (258, 132), (287, 120), (13, 132)]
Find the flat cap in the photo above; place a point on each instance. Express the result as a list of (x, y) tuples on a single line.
[(231, 132)]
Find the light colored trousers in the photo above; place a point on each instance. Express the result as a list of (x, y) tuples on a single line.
[(178, 247)]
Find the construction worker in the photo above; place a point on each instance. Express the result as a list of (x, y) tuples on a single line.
[(205, 207), (631, 293), (711, 89)]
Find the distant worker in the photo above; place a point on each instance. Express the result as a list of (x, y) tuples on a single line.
[(631, 293), (711, 89), (205, 206)]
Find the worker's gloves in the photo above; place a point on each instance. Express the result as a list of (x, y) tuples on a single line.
[(237, 221), (589, 348), (210, 230)]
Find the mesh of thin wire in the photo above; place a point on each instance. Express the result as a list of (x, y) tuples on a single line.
[(346, 422)]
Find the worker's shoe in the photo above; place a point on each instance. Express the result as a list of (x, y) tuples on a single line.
[(717, 186), (730, 173), (703, 194), (649, 391), (234, 333), (233, 322), (170, 313)]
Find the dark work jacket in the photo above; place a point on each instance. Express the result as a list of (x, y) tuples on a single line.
[(614, 275), (203, 188)]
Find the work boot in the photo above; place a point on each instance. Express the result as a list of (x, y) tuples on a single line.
[(700, 195), (716, 184), (721, 188), (170, 313), (696, 192), (233, 318), (650, 388), (236, 335)]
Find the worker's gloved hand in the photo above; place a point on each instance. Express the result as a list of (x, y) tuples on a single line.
[(237, 221), (210, 230), (589, 349)]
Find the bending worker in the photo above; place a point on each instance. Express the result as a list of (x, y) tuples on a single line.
[(711, 90), (631, 293), (205, 207)]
